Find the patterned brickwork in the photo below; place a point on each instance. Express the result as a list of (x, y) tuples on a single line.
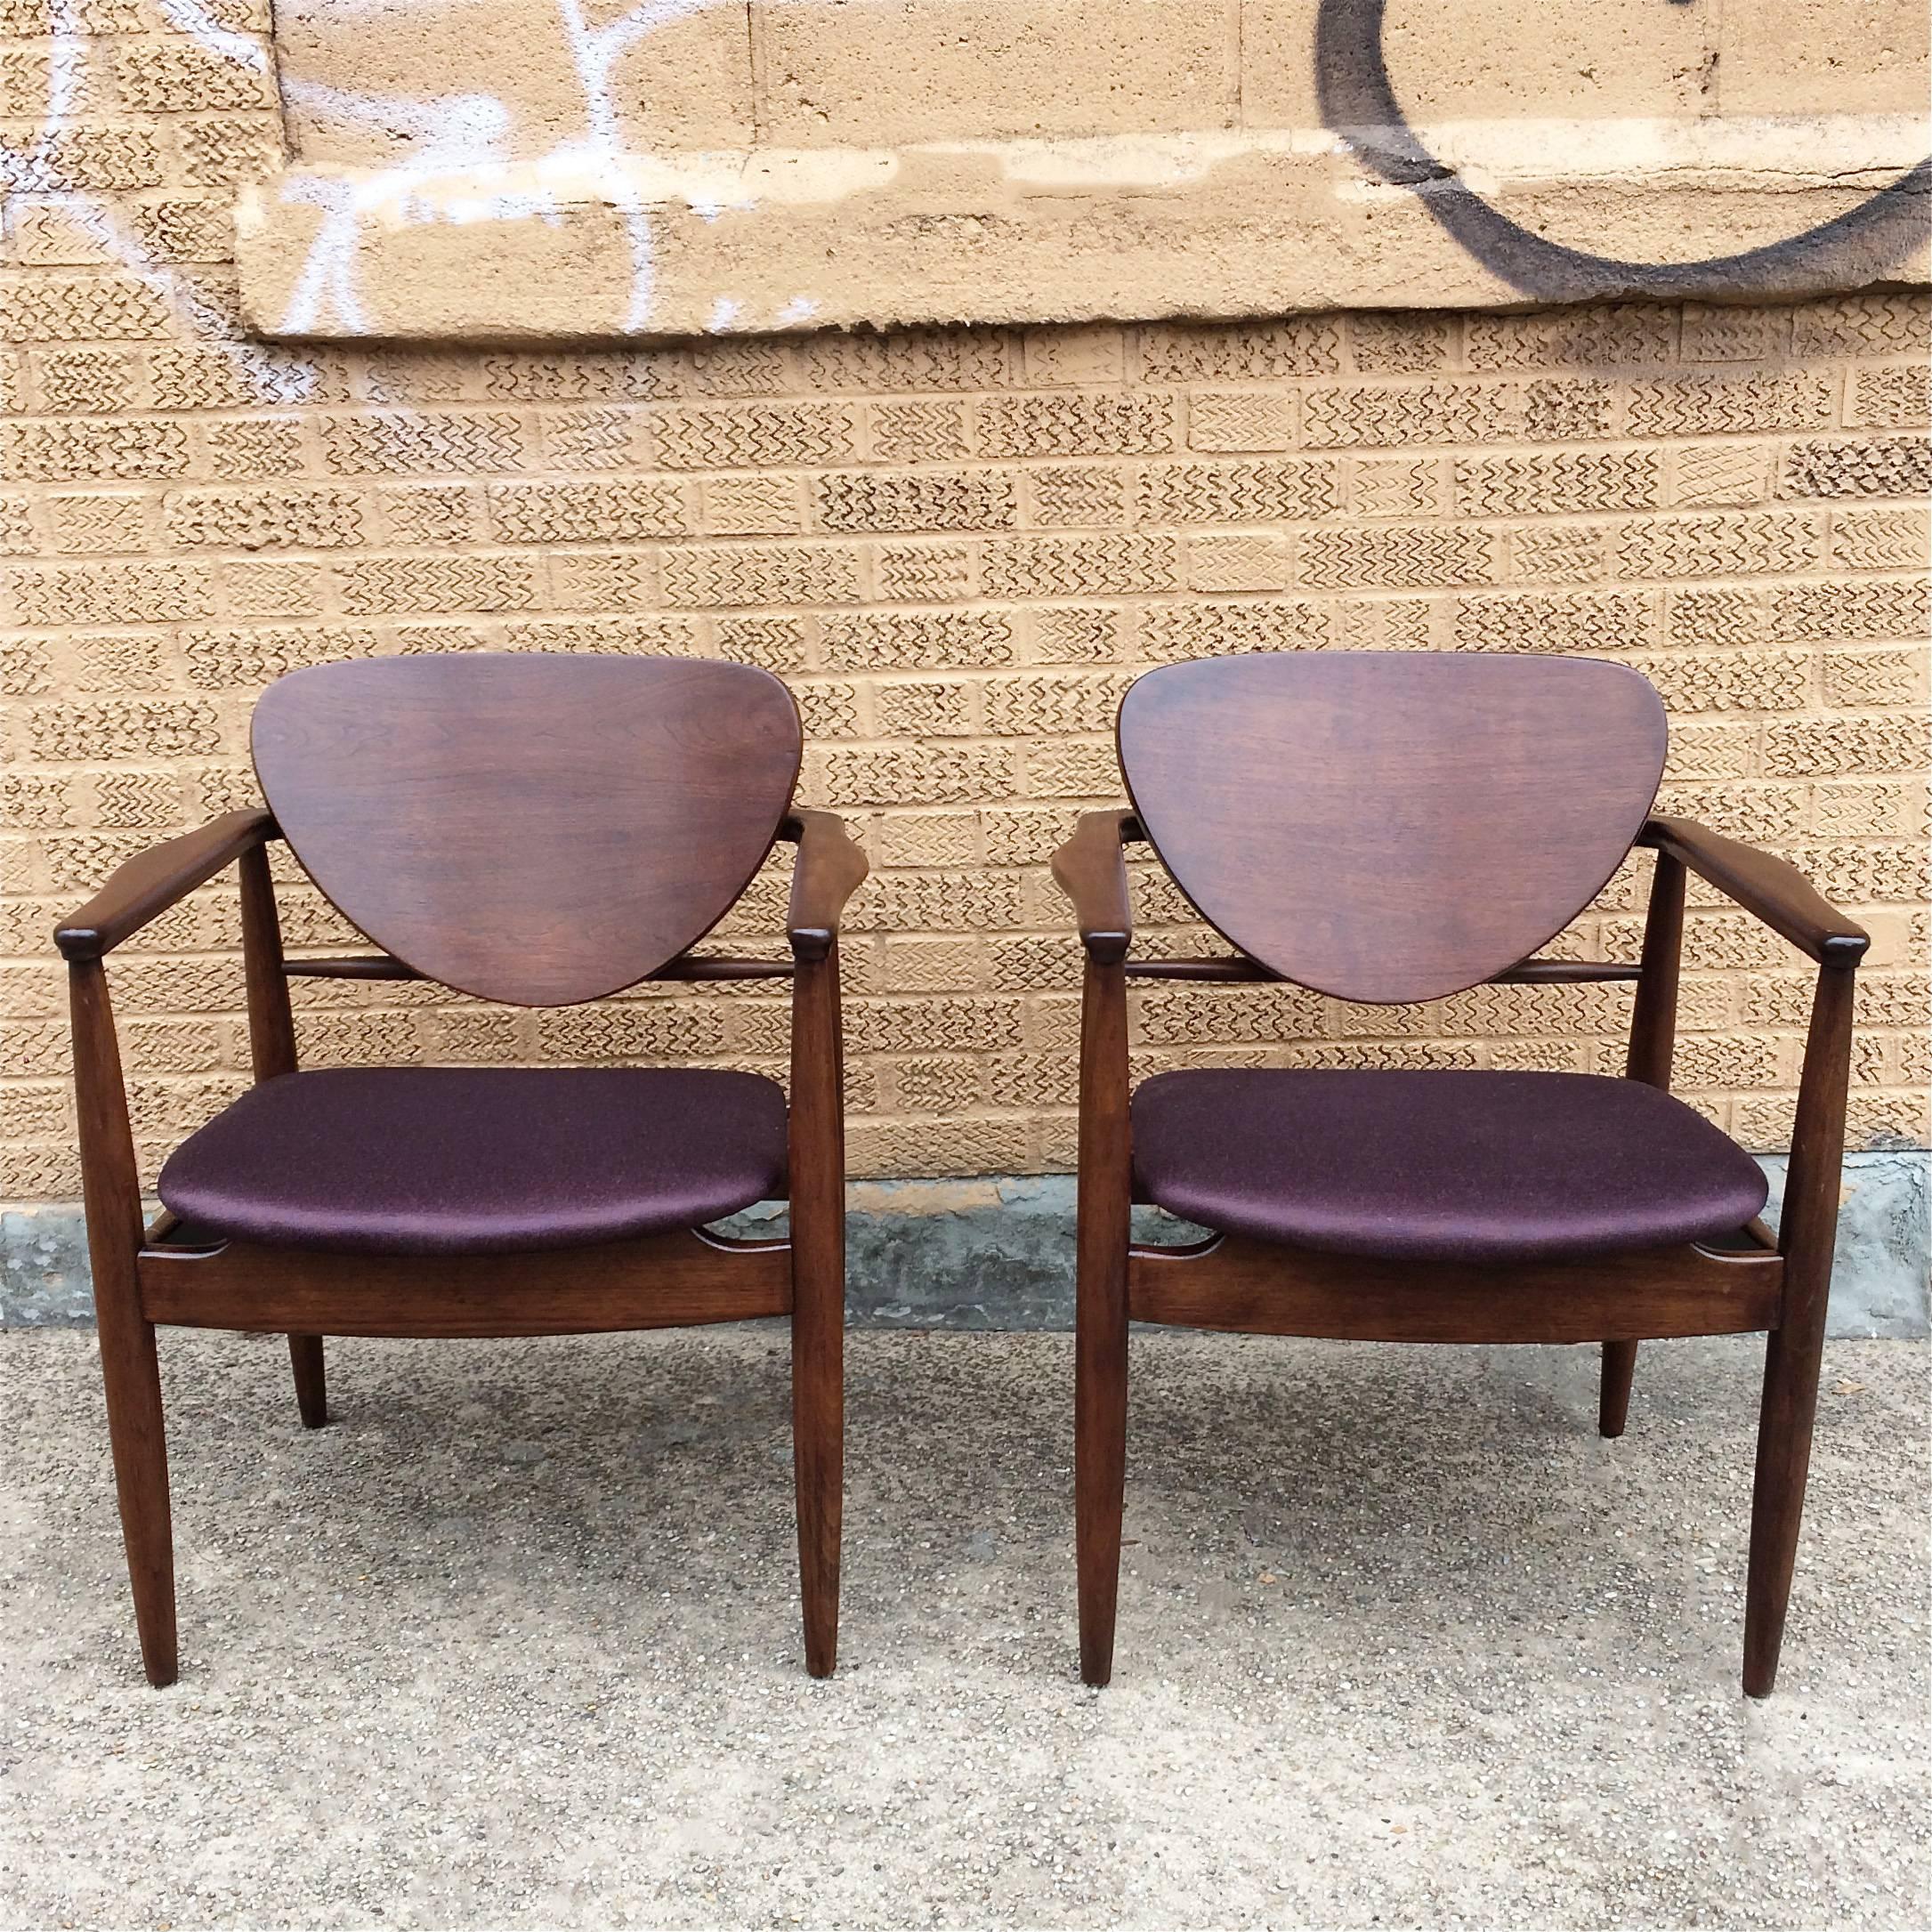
[(958, 546)]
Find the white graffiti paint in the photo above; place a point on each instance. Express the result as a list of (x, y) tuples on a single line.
[(464, 166), (460, 172)]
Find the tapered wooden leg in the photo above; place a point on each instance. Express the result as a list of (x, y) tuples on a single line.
[(132, 1377), (1808, 1233), (272, 1044), (817, 1241), (1654, 1023), (818, 1452), (129, 1370), (1613, 1397), (1100, 1339), (1100, 1471), (311, 1379), (1777, 1503)]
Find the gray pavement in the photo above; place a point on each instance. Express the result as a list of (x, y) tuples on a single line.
[(513, 1643)]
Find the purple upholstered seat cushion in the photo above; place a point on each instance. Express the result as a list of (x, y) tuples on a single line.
[(444, 1161), (1438, 1165)]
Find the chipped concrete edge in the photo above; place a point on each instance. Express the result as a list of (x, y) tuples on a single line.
[(997, 1252), (584, 244)]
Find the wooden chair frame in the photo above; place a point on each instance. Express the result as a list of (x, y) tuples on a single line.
[(1778, 1285), (141, 1277)]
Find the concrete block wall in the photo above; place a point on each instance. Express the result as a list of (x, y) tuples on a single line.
[(789, 74), (958, 544), (959, 548), (469, 168)]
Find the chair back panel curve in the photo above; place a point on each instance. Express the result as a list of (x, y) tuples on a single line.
[(541, 829), (1390, 826)]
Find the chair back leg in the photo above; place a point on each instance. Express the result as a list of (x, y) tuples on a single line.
[(1654, 1027), (1613, 1395), (311, 1379), (271, 1046)]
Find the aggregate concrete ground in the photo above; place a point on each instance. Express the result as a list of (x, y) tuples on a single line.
[(513, 1643)]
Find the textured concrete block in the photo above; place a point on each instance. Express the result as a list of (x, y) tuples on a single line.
[(1583, 60), (868, 72), (957, 544), (1815, 57), (507, 81)]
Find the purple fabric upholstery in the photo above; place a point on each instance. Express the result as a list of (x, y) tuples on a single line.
[(448, 1160), (1438, 1166)]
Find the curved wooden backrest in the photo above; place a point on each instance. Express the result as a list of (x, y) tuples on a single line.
[(540, 829), (1391, 825)]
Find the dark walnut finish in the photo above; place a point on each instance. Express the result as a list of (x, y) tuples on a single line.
[(662, 1281), (150, 882), (538, 830), (1774, 889), (1232, 1284), (1390, 827), (687, 965), (1398, 827)]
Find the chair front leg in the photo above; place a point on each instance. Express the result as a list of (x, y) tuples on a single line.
[(129, 1369), (817, 1162), (1101, 1321), (1808, 1233)]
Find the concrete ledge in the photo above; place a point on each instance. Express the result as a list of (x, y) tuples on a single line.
[(1200, 225), (43, 1278), (1883, 1266), (998, 1253)]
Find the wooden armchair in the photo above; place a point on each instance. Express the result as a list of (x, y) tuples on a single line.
[(540, 831), (1400, 827)]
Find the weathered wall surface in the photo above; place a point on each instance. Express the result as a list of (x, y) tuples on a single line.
[(471, 166), (958, 546)]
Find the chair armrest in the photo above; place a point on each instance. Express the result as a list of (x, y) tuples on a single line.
[(1777, 892), (153, 880), (1091, 869), (830, 868)]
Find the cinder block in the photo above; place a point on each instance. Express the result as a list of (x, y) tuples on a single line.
[(1584, 60), (1771, 49), (886, 71), (684, 82), (1009, 533)]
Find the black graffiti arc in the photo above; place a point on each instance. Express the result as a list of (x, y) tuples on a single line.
[(1359, 104)]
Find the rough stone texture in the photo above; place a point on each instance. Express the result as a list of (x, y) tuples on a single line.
[(887, 162), (44, 1274), (1402, 1642), (1882, 1272), (997, 1252), (814, 74), (956, 545), (982, 1254), (1205, 226)]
